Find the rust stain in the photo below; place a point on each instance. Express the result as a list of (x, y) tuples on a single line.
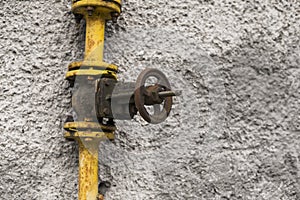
[(88, 168), (90, 43), (95, 13), (101, 197)]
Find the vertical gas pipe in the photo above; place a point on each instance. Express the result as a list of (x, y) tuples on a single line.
[(98, 98), (85, 130)]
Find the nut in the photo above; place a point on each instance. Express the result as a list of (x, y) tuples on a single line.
[(106, 111), (90, 10)]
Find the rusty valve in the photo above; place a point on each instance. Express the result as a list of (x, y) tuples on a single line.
[(98, 98), (157, 94), (119, 100)]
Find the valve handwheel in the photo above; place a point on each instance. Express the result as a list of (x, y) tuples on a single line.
[(154, 94)]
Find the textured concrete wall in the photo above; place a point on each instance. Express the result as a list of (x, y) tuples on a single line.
[(233, 134)]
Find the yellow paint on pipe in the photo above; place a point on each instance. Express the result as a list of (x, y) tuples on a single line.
[(95, 12), (88, 147), (88, 168), (101, 197), (94, 41)]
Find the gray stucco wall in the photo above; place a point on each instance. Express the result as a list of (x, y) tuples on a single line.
[(233, 133)]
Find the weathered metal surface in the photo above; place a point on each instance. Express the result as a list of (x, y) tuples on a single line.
[(91, 135), (142, 96), (108, 9), (86, 64), (75, 126), (169, 94), (97, 97), (94, 43), (88, 168), (104, 89), (88, 128), (122, 101), (83, 99), (100, 197), (117, 100), (89, 72)]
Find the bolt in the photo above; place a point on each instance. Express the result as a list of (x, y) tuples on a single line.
[(88, 119), (90, 10), (111, 122), (90, 78), (106, 111), (106, 82), (114, 16)]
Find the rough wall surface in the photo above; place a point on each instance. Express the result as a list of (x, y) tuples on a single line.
[(233, 133)]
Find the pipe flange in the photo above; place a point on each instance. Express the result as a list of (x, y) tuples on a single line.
[(83, 68), (95, 65), (71, 75), (94, 126), (107, 9), (91, 135), (77, 130)]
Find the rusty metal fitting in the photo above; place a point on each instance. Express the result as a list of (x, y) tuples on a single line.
[(98, 98), (114, 16), (96, 69), (103, 8), (90, 10), (100, 197)]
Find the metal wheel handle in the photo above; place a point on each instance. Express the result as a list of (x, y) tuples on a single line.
[(140, 96)]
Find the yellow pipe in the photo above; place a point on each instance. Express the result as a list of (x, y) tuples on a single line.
[(95, 12), (94, 41), (88, 169), (88, 147)]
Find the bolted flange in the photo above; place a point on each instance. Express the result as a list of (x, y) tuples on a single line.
[(106, 9)]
